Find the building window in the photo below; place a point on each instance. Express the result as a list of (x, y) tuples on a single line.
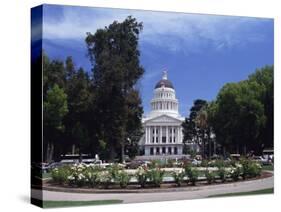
[(164, 150), (151, 151), (175, 150), (174, 139), (152, 139), (164, 139), (170, 139), (169, 150), (157, 150), (156, 139)]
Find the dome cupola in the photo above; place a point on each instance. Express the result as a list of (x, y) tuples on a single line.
[(164, 82), (164, 100)]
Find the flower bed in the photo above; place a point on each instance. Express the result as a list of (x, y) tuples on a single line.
[(93, 176)]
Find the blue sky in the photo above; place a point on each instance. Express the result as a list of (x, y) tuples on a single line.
[(200, 52)]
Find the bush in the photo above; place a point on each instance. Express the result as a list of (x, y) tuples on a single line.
[(250, 168), (178, 177), (156, 176), (113, 171), (222, 173), (77, 176), (204, 163), (123, 178), (235, 173), (254, 170), (60, 175), (142, 176), (210, 176), (192, 174), (92, 176), (219, 163), (105, 178)]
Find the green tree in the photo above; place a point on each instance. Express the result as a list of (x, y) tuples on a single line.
[(78, 120), (114, 54), (191, 130), (242, 115), (55, 108)]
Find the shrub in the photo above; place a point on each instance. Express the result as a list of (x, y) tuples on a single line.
[(210, 176), (92, 176), (156, 176), (254, 169), (222, 173), (142, 176), (123, 178), (170, 163), (250, 168), (77, 176), (219, 163), (192, 174), (155, 164), (235, 173), (204, 163), (178, 177), (105, 178), (113, 171), (60, 175)]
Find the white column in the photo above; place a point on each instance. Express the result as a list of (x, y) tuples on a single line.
[(167, 138), (173, 134), (160, 141), (154, 134), (149, 141), (146, 135), (178, 139), (172, 150)]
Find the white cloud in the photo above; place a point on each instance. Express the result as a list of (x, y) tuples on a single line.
[(174, 31)]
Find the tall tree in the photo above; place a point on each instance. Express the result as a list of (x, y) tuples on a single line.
[(79, 117), (55, 108), (191, 130), (114, 54), (242, 115)]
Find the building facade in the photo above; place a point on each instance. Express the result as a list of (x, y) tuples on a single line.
[(163, 131)]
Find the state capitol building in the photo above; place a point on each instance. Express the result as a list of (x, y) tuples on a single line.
[(162, 126)]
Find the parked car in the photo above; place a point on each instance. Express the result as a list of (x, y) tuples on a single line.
[(196, 162), (261, 160)]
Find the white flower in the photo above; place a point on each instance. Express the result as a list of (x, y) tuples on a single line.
[(70, 177)]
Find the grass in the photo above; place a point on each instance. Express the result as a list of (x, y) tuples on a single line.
[(268, 167), (57, 204), (263, 191), (46, 175)]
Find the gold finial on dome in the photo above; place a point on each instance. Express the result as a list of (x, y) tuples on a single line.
[(165, 77)]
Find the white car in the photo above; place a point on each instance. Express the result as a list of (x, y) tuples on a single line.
[(196, 162), (261, 159)]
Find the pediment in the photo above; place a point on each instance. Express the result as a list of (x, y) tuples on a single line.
[(163, 119)]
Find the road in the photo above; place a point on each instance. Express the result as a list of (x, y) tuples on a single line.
[(183, 194)]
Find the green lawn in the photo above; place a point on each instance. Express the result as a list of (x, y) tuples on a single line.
[(57, 204), (46, 175), (263, 191), (268, 167)]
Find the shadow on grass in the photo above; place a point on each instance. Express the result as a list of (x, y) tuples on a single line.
[(263, 191), (58, 204)]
